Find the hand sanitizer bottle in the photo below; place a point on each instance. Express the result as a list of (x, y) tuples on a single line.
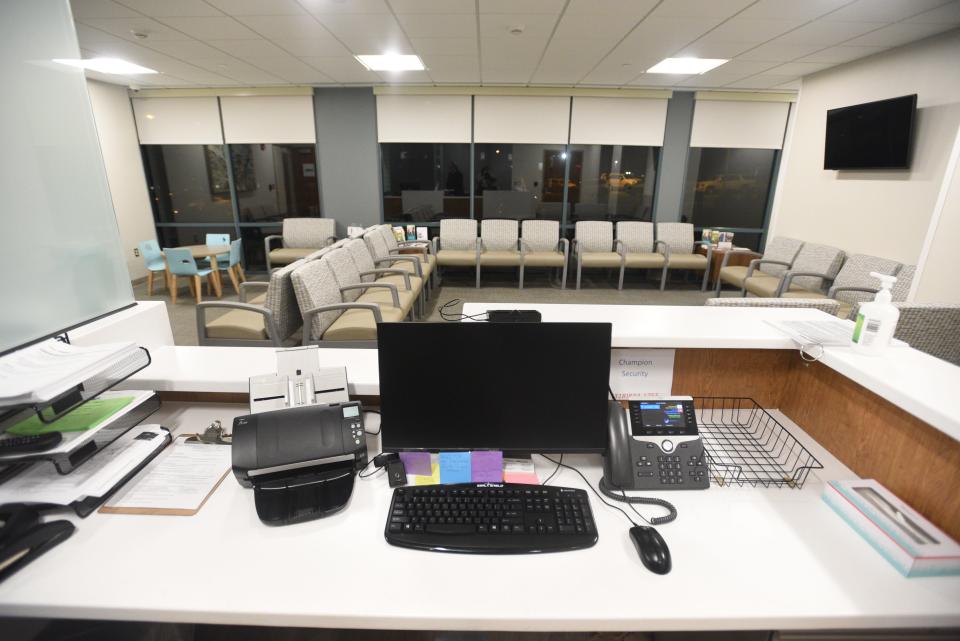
[(876, 321)]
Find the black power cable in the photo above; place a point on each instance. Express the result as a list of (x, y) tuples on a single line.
[(447, 315)]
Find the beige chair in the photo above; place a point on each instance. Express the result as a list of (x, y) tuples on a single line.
[(382, 258), (823, 304), (301, 237), (813, 270), (777, 258), (458, 244), (541, 246), (678, 245), (499, 244), (635, 242), (593, 247), (929, 327), (853, 283), (428, 262), (402, 279), (268, 319), (354, 289)]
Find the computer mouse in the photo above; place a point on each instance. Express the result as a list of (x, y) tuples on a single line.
[(652, 549)]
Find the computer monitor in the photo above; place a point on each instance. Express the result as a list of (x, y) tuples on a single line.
[(518, 387)]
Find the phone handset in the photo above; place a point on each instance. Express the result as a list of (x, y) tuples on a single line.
[(617, 462)]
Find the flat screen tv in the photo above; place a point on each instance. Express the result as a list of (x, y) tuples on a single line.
[(874, 135)]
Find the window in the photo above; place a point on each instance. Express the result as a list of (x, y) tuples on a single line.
[(188, 183), (612, 182), (519, 181), (728, 188), (423, 182), (275, 181)]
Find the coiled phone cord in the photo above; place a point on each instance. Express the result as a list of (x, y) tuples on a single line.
[(622, 497)]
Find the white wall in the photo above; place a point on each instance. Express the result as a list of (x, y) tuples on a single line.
[(885, 213), (938, 280), (121, 156)]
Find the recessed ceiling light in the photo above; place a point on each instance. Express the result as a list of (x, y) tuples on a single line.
[(686, 66), (391, 62), (106, 65)]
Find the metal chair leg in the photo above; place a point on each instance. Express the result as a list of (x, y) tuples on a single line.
[(478, 275), (521, 275), (579, 267), (620, 284), (663, 278), (706, 273), (563, 281)]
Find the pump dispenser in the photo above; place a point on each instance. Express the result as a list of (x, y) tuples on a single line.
[(877, 320)]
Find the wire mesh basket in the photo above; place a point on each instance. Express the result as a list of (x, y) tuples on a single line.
[(745, 445)]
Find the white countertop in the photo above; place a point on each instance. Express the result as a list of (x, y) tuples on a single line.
[(743, 558)]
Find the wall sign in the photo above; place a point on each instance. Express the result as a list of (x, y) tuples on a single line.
[(641, 373)]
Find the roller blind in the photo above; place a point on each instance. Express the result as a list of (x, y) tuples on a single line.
[(618, 121), (178, 121), (268, 119), (423, 118), (521, 119), (752, 125)]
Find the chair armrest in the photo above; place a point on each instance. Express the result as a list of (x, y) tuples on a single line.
[(436, 244), (756, 262), (709, 257), (619, 247), (576, 247), (250, 284), (266, 241), (396, 259), (789, 276), (565, 243), (524, 246), (268, 320), (366, 286), (397, 272), (310, 313), (833, 290), (329, 240), (664, 246)]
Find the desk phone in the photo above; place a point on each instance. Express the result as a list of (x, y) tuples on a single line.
[(655, 445)]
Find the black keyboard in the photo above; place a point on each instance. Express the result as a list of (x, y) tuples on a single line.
[(491, 518)]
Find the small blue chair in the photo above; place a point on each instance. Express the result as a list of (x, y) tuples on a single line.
[(216, 240), (233, 267), (153, 259), (182, 263)]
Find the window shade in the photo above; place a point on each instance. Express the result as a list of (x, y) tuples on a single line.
[(178, 121), (521, 119), (268, 119), (423, 118), (732, 124), (618, 121)]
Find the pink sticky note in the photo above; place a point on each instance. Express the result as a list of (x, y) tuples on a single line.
[(416, 462), (486, 467)]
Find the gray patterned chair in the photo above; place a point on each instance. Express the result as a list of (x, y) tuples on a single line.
[(933, 328), (679, 245), (404, 280), (301, 237), (382, 258), (267, 320), (499, 244), (593, 246), (541, 246), (428, 262), (853, 283), (813, 270), (635, 242), (823, 304), (458, 244), (328, 319), (777, 258), (354, 289)]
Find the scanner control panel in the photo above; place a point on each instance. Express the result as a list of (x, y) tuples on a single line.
[(352, 428)]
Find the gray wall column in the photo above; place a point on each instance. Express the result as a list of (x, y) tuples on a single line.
[(673, 157), (348, 156)]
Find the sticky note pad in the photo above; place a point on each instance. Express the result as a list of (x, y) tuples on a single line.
[(432, 479), (520, 471), (454, 467), (416, 462), (486, 467)]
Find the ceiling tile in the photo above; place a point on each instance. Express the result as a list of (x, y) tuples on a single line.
[(800, 68), (124, 28), (899, 34), (704, 48), (556, 77), (89, 35), (369, 33), (699, 8), (455, 77), (793, 85), (171, 8), (624, 9), (316, 47), (451, 63), (882, 10), (186, 49), (506, 76), (712, 79), (292, 70), (237, 69), (406, 77), (607, 73), (574, 53), (843, 53), (743, 68), (343, 69), (345, 6), (827, 34), (249, 50), (525, 6), (445, 46), (286, 27), (792, 9), (594, 26), (434, 6), (211, 28), (751, 31), (777, 51), (658, 79), (664, 36), (497, 25), (258, 7), (947, 14), (761, 81), (420, 25), (100, 9), (501, 53)]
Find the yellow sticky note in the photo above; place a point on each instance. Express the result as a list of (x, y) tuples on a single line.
[(433, 479)]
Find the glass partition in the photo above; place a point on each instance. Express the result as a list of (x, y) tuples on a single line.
[(188, 183), (275, 181), (423, 182), (520, 181), (728, 187), (612, 182)]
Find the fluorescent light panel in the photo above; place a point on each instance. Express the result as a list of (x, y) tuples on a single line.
[(391, 62), (686, 66), (106, 65)]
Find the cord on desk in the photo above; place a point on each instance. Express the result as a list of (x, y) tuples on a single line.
[(377, 412), (556, 469), (447, 315), (622, 497), (559, 464)]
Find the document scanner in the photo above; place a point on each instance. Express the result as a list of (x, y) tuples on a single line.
[(301, 461), (299, 381)]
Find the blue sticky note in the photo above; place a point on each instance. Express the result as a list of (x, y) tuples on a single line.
[(454, 467)]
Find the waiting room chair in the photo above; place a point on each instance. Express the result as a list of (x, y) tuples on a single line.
[(383, 259), (428, 262), (458, 244), (403, 279), (778, 257), (928, 327), (823, 304), (812, 270), (182, 263), (301, 237), (217, 240), (593, 246), (635, 241), (232, 264), (678, 245), (354, 289), (541, 246), (853, 283), (499, 244), (154, 262)]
